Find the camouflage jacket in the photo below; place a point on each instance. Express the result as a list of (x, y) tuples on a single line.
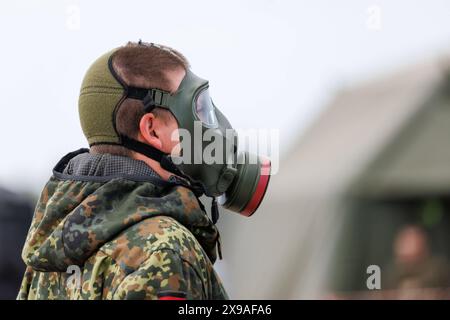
[(114, 232)]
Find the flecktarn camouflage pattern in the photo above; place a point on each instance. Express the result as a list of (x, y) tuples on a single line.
[(119, 237)]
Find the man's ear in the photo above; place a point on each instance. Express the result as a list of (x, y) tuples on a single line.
[(147, 129)]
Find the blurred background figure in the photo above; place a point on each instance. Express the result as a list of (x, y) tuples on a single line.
[(415, 266), (15, 217)]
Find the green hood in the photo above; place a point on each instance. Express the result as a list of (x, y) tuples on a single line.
[(79, 213)]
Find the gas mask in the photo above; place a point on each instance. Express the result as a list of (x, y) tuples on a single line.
[(209, 159)]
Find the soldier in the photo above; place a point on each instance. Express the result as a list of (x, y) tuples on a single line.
[(122, 220)]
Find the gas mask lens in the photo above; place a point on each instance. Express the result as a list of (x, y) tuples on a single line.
[(204, 109)]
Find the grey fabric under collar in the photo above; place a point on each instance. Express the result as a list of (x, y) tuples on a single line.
[(101, 165)]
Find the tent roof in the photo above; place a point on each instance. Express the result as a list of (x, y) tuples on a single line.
[(355, 128)]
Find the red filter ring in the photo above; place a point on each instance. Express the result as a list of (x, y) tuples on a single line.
[(260, 190)]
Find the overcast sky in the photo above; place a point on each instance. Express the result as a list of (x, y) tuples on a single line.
[(271, 64)]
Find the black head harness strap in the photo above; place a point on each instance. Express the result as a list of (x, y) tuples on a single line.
[(151, 98)]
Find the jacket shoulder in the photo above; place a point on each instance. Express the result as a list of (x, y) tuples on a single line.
[(135, 245)]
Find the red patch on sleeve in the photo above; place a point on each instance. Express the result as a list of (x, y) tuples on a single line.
[(171, 295), (171, 298)]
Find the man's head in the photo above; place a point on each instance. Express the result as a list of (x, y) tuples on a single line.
[(139, 96), (411, 245), (146, 66)]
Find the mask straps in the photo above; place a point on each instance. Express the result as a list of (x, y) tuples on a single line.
[(167, 164), (214, 210), (152, 98), (164, 160)]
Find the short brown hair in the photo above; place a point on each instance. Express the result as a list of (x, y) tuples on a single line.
[(140, 65)]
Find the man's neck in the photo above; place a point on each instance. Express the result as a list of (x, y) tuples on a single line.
[(156, 166)]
